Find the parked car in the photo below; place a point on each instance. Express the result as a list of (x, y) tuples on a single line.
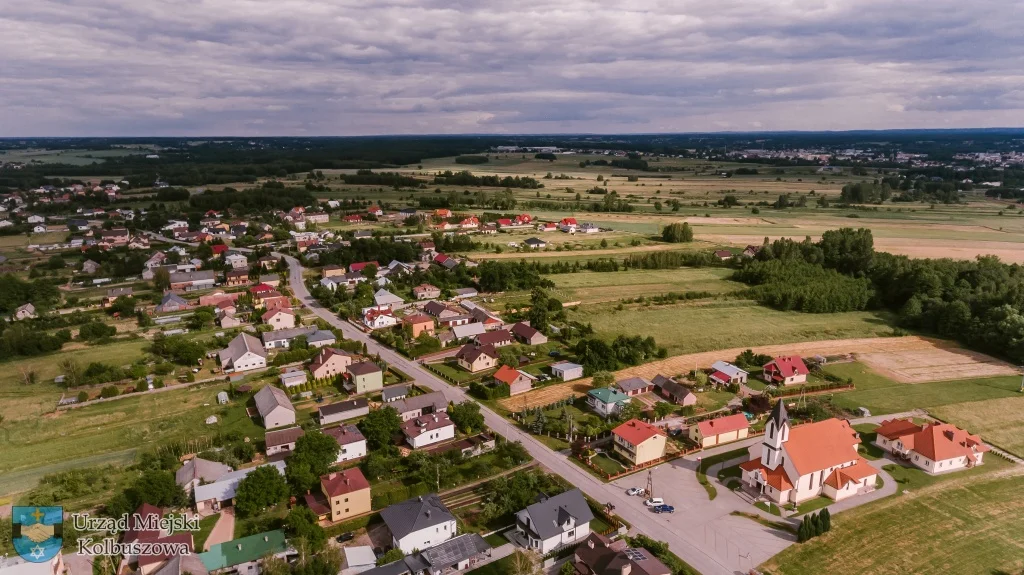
[(634, 491), (663, 509), (347, 536), (654, 502)]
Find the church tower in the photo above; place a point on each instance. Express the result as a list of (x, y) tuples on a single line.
[(776, 432)]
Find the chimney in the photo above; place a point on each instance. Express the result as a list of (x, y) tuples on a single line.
[(428, 513), (626, 569), (266, 539), (239, 546), (590, 542)]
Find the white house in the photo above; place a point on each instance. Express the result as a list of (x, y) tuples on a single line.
[(379, 319), (555, 522), (567, 371), (245, 352), (212, 496), (281, 318), (236, 261), (725, 373), (274, 407), (606, 401), (935, 448), (428, 429), (419, 523), (351, 441)]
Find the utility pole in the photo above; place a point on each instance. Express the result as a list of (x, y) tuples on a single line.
[(650, 484)]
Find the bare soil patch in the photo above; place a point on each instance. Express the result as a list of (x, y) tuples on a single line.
[(938, 363)]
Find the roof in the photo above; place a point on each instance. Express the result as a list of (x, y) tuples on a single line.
[(394, 391), (360, 556), (383, 297), (548, 516), (224, 488), (721, 425), (345, 434), (343, 406), (415, 514), (506, 374), (524, 331), (434, 307), (850, 474), (775, 477), (320, 335), (418, 426), (171, 297), (566, 365), (244, 550), (894, 428), (789, 365), (493, 337), (778, 414), (470, 352), (242, 344), (342, 482), (468, 330), (607, 395), (435, 399), (633, 384), (455, 550), (271, 397), (363, 368), (728, 369), (267, 315), (816, 446), (289, 334), (604, 557), (534, 241), (943, 441), (418, 319), (199, 468), (636, 432), (283, 436), (671, 386)]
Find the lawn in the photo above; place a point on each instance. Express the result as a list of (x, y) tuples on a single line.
[(502, 566), (709, 462), (813, 504), (997, 421), (594, 287), (607, 463), (723, 324), (868, 449), (968, 526), (205, 527), (455, 373)]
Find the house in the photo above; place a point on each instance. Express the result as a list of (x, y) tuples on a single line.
[(474, 358), (465, 330), (568, 225), (358, 266), (933, 447), (198, 470), (347, 492), (547, 227), (293, 377), (384, 298), (458, 554), (114, 293), (352, 219), (193, 281), (674, 391), (243, 353), (219, 494), (588, 228), (243, 556), (171, 302), (436, 309), (419, 323), (282, 338), (349, 409), (394, 393), (496, 338), (720, 430), (751, 251), (329, 363), (794, 464), (426, 291), (274, 407), (567, 371), (516, 380), (723, 255), (379, 319), (364, 377), (463, 293), (374, 211), (528, 335), (282, 440), (634, 386), (786, 370), (236, 261), (27, 311), (555, 522), (639, 442), (606, 401), (428, 429), (419, 523), (725, 373), (278, 319), (599, 555), (535, 243), (90, 267), (350, 440), (359, 558), (236, 278), (321, 338), (412, 407), (272, 280)]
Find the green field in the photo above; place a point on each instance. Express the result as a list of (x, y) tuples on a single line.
[(966, 525), (705, 326), (882, 395), (998, 421)]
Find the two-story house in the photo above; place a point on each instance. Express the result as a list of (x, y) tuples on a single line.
[(555, 522)]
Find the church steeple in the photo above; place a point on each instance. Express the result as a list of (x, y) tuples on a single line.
[(776, 432)]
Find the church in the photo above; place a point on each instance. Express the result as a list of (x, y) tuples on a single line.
[(793, 464)]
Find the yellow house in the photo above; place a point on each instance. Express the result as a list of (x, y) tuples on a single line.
[(347, 492), (720, 430), (474, 358), (639, 442)]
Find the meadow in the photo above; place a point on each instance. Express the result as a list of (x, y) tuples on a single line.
[(997, 421)]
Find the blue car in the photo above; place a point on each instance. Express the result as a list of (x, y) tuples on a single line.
[(663, 509)]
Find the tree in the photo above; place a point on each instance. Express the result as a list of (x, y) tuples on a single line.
[(508, 356), (161, 279), (370, 271), (677, 233), (302, 522), (264, 487), (380, 426), (567, 569), (603, 379), (632, 410), (392, 555), (826, 520), (314, 454), (72, 371), (467, 416), (662, 409)]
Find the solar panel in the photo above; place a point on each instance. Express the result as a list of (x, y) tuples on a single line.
[(636, 554)]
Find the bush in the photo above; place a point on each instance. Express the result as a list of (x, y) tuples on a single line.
[(83, 397), (109, 391)]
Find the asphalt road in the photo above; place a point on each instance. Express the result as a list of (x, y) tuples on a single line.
[(669, 528)]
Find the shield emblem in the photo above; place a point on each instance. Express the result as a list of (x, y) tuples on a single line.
[(38, 532)]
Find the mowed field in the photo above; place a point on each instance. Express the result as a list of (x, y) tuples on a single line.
[(968, 526), (999, 421)]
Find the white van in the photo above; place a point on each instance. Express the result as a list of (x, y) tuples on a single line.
[(654, 502)]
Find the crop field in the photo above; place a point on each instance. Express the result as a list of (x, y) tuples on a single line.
[(969, 526), (944, 361), (997, 421), (71, 157)]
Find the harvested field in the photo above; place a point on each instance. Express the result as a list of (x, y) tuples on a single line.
[(546, 395), (938, 363), (995, 420), (624, 251), (913, 247)]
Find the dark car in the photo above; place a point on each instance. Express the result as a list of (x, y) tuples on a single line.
[(347, 536), (663, 509)]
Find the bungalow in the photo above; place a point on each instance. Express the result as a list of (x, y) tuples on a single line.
[(282, 440), (454, 319), (639, 442), (394, 393), (243, 556), (634, 386), (197, 470), (725, 373), (933, 447), (555, 522), (212, 497), (243, 353), (720, 430), (426, 291), (516, 380), (589, 228), (282, 338), (428, 429), (528, 335), (350, 440), (349, 409), (171, 302), (384, 298), (674, 391), (330, 363), (606, 401), (274, 407), (496, 338), (547, 227), (114, 293), (352, 219), (535, 243), (723, 255), (412, 407), (364, 377), (358, 266), (786, 370), (277, 319), (419, 323), (463, 293), (474, 358), (567, 371)]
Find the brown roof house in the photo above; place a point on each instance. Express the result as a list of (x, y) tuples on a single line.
[(428, 429), (528, 335), (364, 377), (474, 358), (599, 555), (282, 440), (330, 363)]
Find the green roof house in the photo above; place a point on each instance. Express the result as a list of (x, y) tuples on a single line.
[(606, 401), (241, 555)]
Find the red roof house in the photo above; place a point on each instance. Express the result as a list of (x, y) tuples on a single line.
[(786, 370)]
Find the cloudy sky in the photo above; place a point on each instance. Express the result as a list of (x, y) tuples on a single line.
[(347, 67)]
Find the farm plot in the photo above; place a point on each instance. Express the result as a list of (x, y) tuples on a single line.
[(941, 362), (996, 420)]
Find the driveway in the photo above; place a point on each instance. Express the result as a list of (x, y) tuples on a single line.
[(223, 531)]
